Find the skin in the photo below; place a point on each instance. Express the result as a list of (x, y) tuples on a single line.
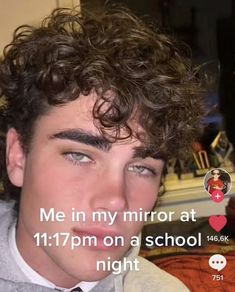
[(67, 167)]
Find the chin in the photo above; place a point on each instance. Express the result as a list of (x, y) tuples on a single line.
[(93, 276)]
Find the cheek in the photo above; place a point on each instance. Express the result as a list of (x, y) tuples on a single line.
[(142, 199), (43, 181), (54, 184), (44, 187), (143, 195)]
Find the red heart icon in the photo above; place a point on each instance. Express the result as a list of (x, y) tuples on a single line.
[(217, 222)]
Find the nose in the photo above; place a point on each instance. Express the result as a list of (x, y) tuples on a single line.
[(110, 194)]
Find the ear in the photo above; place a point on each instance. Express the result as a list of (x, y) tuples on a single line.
[(15, 158)]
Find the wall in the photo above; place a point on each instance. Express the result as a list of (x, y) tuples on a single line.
[(17, 12)]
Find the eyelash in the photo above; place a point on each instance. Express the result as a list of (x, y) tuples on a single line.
[(72, 156)]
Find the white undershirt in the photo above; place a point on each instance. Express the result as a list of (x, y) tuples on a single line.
[(32, 275)]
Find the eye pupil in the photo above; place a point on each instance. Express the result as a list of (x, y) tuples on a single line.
[(78, 156)]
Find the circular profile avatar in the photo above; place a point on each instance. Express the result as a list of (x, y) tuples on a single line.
[(217, 180)]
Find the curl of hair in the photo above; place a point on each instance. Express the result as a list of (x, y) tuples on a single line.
[(149, 75)]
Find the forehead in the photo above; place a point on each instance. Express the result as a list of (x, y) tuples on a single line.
[(78, 114)]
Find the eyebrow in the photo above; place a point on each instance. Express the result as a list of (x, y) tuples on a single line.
[(101, 143), (85, 137)]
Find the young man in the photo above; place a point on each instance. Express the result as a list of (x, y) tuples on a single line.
[(93, 105)]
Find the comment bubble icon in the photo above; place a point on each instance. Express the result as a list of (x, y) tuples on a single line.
[(217, 262)]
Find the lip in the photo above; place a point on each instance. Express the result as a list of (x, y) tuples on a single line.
[(100, 234)]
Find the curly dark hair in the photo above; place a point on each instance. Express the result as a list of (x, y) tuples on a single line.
[(71, 53)]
